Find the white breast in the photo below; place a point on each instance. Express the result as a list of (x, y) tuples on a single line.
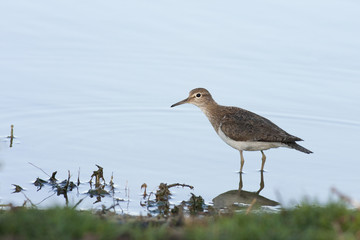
[(249, 145)]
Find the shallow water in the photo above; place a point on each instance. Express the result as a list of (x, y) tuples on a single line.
[(93, 84)]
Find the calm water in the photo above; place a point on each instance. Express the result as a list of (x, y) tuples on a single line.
[(90, 83)]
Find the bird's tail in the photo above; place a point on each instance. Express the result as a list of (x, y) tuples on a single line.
[(296, 146)]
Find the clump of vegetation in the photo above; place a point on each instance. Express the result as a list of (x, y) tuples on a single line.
[(196, 204), (159, 204), (308, 221)]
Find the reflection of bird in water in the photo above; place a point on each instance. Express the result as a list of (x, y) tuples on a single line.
[(232, 198), (242, 129)]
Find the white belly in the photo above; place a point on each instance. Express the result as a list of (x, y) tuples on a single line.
[(249, 145)]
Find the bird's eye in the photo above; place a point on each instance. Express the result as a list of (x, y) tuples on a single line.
[(198, 95)]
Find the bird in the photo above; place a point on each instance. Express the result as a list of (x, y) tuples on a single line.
[(240, 128)]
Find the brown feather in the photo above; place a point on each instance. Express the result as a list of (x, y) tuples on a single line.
[(242, 125)]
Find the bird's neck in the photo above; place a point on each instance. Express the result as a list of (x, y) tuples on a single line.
[(213, 112)]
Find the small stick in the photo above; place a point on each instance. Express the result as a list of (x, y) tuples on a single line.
[(38, 168), (46, 198), (144, 185), (28, 199), (250, 207), (66, 189), (11, 135), (78, 180), (179, 184), (80, 201)]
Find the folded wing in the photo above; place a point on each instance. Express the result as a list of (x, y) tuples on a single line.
[(248, 126)]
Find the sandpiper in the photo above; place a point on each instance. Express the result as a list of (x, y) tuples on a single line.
[(242, 129)]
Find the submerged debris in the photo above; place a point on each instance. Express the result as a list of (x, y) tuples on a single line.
[(17, 188), (39, 183), (157, 203), (99, 190)]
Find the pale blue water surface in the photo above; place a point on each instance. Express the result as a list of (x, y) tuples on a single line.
[(90, 82)]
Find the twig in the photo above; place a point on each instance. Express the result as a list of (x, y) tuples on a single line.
[(68, 181), (250, 207), (28, 199), (46, 198), (38, 168), (11, 135), (78, 180), (180, 185), (144, 185), (80, 201), (114, 205), (66, 188)]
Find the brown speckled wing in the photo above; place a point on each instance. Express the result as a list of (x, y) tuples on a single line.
[(248, 126)]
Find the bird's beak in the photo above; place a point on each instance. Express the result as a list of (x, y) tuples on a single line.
[(181, 102)]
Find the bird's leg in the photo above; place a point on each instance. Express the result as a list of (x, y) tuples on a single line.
[(242, 161), (262, 183), (263, 161), (240, 182)]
